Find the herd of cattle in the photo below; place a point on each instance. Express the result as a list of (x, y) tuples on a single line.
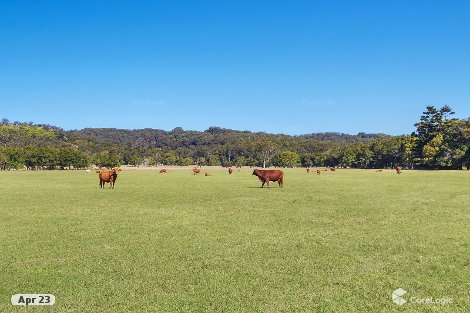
[(319, 171), (265, 176)]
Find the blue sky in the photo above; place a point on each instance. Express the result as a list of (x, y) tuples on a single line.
[(278, 66)]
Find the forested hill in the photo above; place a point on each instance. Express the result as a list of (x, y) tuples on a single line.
[(439, 142), (45, 146), (179, 138), (341, 137)]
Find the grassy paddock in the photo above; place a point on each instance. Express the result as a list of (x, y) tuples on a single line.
[(339, 242)]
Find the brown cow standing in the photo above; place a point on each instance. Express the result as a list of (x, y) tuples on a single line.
[(398, 169), (108, 176), (318, 172), (308, 170), (230, 170), (196, 171), (163, 170), (265, 176)]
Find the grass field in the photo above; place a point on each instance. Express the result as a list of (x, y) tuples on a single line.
[(339, 242)]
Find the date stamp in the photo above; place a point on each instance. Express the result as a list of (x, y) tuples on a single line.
[(33, 299)]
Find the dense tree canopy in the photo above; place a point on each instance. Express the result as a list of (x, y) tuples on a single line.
[(439, 142)]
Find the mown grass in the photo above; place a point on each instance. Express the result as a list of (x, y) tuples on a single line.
[(339, 242)]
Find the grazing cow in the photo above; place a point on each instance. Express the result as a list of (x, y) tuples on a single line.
[(398, 169), (108, 176), (87, 171), (207, 174), (318, 172), (163, 170), (230, 170), (308, 170), (332, 169), (379, 171), (325, 170), (265, 176), (196, 171)]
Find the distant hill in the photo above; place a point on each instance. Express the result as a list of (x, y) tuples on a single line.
[(332, 136), (440, 141), (148, 138), (45, 146), (39, 135)]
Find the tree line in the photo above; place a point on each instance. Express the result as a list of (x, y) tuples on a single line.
[(440, 141)]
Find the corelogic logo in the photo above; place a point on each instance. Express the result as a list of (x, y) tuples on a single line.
[(397, 298), (397, 295)]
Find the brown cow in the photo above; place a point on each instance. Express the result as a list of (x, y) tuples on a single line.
[(163, 170), (318, 172), (379, 171), (230, 170), (207, 174), (196, 171), (332, 169), (108, 176), (265, 176), (398, 169), (308, 170)]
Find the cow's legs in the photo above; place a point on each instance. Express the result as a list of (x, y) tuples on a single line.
[(267, 183), (262, 185)]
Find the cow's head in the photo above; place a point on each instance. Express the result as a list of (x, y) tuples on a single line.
[(255, 172)]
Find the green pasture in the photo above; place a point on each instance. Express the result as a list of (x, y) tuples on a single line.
[(338, 242)]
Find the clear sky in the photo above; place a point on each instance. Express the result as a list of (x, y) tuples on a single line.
[(278, 66)]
